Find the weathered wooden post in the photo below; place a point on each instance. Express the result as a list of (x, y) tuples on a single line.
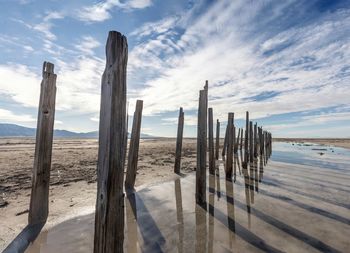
[(109, 215), (229, 158), (225, 144), (236, 140), (211, 142), (246, 152), (251, 148), (39, 199), (217, 144), (134, 147), (201, 150), (241, 139), (180, 129), (255, 140)]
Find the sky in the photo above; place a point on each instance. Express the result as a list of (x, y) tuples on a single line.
[(286, 62)]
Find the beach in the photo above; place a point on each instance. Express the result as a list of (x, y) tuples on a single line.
[(73, 175)]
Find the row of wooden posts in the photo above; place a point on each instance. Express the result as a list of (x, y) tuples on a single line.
[(113, 134)]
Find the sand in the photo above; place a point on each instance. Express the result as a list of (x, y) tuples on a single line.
[(73, 176)]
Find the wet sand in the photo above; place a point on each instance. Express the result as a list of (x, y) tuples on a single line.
[(73, 177), (299, 202)]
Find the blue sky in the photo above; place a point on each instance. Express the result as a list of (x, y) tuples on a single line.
[(287, 62)]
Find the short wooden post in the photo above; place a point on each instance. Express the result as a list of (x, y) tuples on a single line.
[(180, 129), (229, 155), (217, 144), (251, 148), (246, 152), (39, 199), (211, 142), (201, 149), (134, 147), (109, 215)]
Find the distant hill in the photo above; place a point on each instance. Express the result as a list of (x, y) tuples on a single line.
[(12, 130)]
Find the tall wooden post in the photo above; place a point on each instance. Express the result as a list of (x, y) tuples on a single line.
[(237, 140), (134, 147), (201, 150), (241, 139), (251, 143), (229, 155), (225, 144), (109, 215), (211, 142), (217, 144), (255, 140), (180, 129), (246, 152), (39, 199)]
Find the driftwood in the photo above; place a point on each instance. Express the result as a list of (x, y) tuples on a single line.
[(109, 215), (255, 140), (251, 143), (39, 200), (180, 130), (211, 142), (225, 144), (134, 147)]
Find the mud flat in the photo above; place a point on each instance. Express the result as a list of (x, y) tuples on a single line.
[(297, 202)]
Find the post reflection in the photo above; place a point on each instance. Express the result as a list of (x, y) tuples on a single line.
[(218, 191), (201, 229), (230, 210), (247, 191), (179, 214), (131, 223), (211, 213)]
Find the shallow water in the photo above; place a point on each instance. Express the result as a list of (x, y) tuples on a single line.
[(298, 202)]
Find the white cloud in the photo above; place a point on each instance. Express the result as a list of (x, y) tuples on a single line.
[(20, 83), (9, 117), (240, 65), (101, 11), (87, 45), (46, 25)]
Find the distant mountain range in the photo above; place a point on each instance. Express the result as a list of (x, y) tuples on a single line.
[(12, 130)]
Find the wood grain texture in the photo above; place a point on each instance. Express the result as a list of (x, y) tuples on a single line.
[(134, 146), (201, 150), (217, 143), (246, 141), (251, 142), (180, 129), (230, 140), (109, 215), (211, 142), (39, 200)]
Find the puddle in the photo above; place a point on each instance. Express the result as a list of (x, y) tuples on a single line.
[(281, 207)]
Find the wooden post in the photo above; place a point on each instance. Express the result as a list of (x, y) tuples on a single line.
[(217, 144), (229, 158), (201, 150), (255, 140), (237, 140), (251, 148), (211, 142), (109, 215), (241, 139), (180, 130), (134, 147), (39, 199), (246, 152), (225, 144)]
